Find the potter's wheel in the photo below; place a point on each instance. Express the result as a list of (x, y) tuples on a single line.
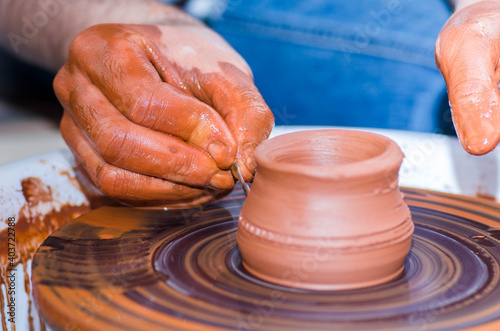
[(120, 268)]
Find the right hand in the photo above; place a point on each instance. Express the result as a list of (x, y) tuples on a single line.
[(468, 54), (160, 112)]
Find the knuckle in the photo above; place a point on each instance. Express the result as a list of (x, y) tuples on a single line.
[(184, 167), (97, 38), (254, 103), (197, 126), (60, 81), (182, 192), (142, 112), (62, 85), (80, 43), (265, 113), (111, 182), (465, 82), (477, 99), (261, 114), (112, 141)]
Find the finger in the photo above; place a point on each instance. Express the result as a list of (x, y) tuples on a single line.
[(116, 182), (132, 84), (234, 95), (468, 65), (138, 149)]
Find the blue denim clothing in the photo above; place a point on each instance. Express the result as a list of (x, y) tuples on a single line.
[(366, 63)]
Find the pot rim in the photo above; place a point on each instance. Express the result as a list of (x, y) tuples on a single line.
[(388, 160)]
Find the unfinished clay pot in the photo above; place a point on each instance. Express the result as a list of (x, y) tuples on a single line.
[(325, 211)]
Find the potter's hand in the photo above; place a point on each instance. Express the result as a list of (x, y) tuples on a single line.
[(468, 54), (160, 112)]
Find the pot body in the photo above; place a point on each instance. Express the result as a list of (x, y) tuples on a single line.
[(325, 211)]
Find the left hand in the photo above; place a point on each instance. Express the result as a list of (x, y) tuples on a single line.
[(159, 114), (468, 54)]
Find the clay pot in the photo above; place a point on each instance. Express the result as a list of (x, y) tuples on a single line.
[(325, 211)]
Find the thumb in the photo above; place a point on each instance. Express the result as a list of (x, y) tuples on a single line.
[(468, 64), (235, 97)]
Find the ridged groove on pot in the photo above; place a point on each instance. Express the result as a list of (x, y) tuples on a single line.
[(334, 186), (323, 268)]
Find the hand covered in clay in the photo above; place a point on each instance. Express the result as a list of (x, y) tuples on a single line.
[(160, 112), (468, 55)]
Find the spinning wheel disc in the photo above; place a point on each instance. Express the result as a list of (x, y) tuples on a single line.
[(121, 268)]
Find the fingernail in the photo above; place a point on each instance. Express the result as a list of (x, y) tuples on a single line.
[(251, 164), (219, 152), (222, 180)]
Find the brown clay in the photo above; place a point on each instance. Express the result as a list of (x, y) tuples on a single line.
[(467, 54), (38, 218), (325, 211), (160, 113)]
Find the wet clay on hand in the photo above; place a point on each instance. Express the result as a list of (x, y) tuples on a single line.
[(468, 54), (160, 113), (325, 211)]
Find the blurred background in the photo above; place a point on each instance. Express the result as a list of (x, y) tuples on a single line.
[(368, 63), (29, 111)]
